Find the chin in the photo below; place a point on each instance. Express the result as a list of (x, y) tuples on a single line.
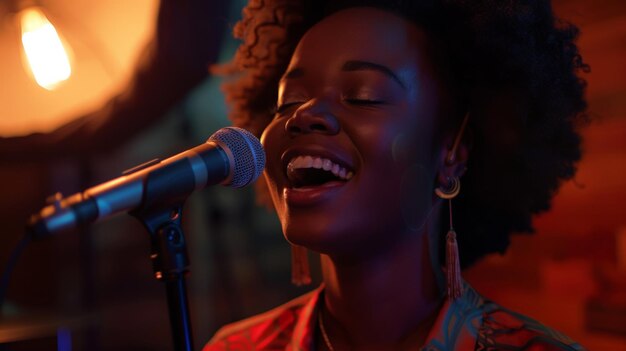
[(317, 236), (337, 239)]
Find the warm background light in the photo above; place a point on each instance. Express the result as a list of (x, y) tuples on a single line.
[(45, 53), (104, 40)]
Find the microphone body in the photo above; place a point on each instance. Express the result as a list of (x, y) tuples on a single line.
[(231, 156)]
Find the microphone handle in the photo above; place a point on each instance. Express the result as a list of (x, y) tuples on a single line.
[(151, 185)]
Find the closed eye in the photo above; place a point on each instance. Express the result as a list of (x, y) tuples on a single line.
[(284, 107), (364, 102)]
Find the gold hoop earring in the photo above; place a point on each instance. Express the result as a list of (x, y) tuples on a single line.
[(451, 191), (453, 265)]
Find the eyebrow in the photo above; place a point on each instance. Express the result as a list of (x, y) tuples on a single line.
[(351, 66)]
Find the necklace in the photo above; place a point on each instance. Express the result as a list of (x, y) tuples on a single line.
[(320, 321)]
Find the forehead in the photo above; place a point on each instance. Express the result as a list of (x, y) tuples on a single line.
[(363, 33)]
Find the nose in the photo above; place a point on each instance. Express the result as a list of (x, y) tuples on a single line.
[(312, 117)]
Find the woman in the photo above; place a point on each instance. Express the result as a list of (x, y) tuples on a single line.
[(382, 110)]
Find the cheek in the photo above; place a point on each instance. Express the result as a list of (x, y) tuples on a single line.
[(270, 134), (400, 149), (416, 196), (271, 188), (271, 140), (411, 157)]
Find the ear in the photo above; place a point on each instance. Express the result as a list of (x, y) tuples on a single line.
[(452, 161)]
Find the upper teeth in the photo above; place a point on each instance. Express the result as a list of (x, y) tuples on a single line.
[(319, 163)]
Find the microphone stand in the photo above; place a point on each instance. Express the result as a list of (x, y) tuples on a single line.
[(170, 263)]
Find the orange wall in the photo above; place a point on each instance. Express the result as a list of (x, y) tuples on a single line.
[(574, 256)]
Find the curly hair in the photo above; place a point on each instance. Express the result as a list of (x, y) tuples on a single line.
[(517, 69)]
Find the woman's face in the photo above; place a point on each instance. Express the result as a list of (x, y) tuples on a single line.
[(351, 157)]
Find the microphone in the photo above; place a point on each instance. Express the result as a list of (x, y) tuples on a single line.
[(232, 157)]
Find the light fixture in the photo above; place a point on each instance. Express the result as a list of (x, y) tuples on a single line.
[(46, 56)]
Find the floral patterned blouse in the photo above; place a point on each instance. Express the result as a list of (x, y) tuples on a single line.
[(469, 323)]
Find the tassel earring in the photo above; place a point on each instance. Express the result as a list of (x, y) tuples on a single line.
[(453, 265), (300, 272)]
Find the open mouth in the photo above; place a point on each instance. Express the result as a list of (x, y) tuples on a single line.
[(311, 171)]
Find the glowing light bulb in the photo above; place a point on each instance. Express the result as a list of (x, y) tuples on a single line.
[(45, 53)]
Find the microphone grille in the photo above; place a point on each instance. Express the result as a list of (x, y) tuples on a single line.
[(247, 152)]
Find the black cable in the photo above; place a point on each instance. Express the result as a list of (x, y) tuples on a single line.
[(8, 269)]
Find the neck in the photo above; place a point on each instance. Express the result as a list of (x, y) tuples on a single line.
[(388, 301)]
